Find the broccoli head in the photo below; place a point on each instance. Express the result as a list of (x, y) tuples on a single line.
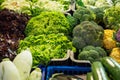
[(83, 14), (87, 33), (92, 53), (99, 12)]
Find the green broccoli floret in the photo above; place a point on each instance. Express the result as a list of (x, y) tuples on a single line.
[(99, 12), (72, 22), (102, 52), (83, 14), (83, 55), (87, 48), (112, 17), (92, 53), (87, 33), (78, 42), (47, 23)]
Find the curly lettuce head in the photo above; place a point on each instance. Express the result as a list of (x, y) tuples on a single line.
[(112, 17)]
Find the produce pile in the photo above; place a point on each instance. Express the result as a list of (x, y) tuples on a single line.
[(12, 26), (106, 69), (90, 28), (46, 31), (14, 70), (97, 26)]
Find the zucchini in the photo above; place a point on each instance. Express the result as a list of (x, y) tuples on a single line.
[(89, 76), (98, 71), (112, 67)]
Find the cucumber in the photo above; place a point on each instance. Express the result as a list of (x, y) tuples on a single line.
[(89, 76), (98, 71), (112, 67)]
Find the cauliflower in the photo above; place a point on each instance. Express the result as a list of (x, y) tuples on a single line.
[(15, 5), (87, 33), (51, 5), (115, 54)]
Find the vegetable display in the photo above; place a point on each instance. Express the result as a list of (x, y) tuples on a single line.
[(87, 33), (46, 47), (91, 53), (34, 32)]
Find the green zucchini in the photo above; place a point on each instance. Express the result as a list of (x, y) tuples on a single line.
[(112, 67), (98, 71), (89, 76)]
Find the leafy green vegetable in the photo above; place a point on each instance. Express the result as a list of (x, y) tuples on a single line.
[(48, 22), (98, 3), (46, 47), (103, 3), (65, 3), (89, 2), (87, 33), (51, 5), (33, 9), (1, 1), (15, 5), (92, 53), (111, 17)]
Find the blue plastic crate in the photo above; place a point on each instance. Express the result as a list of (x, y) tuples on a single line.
[(69, 70), (43, 69)]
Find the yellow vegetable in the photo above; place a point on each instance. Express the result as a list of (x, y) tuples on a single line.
[(108, 41), (115, 54)]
